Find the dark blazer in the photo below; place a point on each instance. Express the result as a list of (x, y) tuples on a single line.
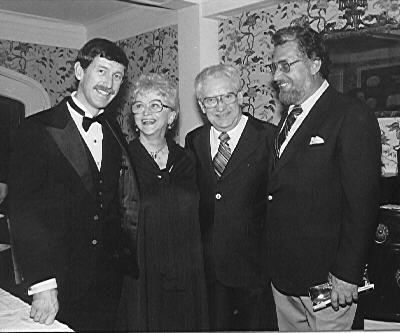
[(58, 226), (12, 112), (324, 197), (232, 208)]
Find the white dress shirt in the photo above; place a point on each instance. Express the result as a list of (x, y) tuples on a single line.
[(94, 136), (94, 140), (306, 106), (234, 136)]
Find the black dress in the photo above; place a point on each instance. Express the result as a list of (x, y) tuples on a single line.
[(169, 294)]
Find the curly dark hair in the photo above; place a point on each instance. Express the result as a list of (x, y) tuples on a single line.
[(310, 43)]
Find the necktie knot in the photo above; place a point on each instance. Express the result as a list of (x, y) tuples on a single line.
[(289, 121), (224, 137), (296, 111), (292, 116)]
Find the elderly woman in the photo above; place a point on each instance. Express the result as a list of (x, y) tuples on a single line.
[(169, 294)]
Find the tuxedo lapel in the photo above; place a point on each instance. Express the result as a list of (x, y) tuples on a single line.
[(309, 127), (204, 148), (112, 150), (68, 139), (248, 142)]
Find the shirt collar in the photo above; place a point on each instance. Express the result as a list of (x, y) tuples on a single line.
[(310, 101), (82, 107), (234, 132)]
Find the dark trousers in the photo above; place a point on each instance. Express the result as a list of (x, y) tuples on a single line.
[(240, 309), (6, 270), (96, 309)]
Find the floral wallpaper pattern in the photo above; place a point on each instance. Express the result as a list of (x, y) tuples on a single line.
[(156, 52), (390, 134), (245, 40), (53, 67)]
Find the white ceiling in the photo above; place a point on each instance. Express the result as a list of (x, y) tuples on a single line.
[(70, 23), (83, 11)]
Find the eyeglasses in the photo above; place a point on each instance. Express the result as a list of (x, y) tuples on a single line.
[(283, 66), (154, 106), (212, 102)]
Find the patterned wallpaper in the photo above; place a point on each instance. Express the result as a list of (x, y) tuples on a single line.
[(155, 51), (53, 67), (245, 40)]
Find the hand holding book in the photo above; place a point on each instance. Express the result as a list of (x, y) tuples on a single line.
[(321, 295)]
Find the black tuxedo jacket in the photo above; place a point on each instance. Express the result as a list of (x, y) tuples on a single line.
[(232, 208), (324, 196), (58, 227), (11, 114)]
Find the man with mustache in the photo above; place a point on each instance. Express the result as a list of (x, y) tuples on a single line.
[(323, 188), (64, 205)]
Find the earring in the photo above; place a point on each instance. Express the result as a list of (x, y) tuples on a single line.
[(169, 126)]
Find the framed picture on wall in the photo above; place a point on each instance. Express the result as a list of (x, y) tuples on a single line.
[(336, 79), (380, 85), (389, 123)]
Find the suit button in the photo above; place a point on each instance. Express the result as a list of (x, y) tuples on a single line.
[(96, 217), (218, 196), (270, 197), (94, 241)]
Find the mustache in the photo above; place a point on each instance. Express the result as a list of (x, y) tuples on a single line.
[(275, 84), (280, 81), (104, 88)]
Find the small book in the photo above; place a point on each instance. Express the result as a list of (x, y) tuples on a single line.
[(394, 207), (321, 294)]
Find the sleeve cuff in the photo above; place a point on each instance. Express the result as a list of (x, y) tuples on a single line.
[(42, 286)]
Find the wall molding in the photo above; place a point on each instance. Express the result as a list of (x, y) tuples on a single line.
[(130, 23), (122, 25), (24, 89), (44, 31), (38, 30), (221, 9)]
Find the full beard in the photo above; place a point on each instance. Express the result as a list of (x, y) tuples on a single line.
[(292, 96)]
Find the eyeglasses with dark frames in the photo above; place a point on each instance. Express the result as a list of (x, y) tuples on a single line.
[(283, 66), (212, 102), (154, 106)]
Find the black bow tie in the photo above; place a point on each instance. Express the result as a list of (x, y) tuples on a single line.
[(86, 121)]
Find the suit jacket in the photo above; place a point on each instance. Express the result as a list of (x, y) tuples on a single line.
[(12, 112), (232, 208), (59, 228), (324, 197)]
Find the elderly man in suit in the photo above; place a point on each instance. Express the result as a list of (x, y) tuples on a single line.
[(231, 153), (64, 207), (323, 187)]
